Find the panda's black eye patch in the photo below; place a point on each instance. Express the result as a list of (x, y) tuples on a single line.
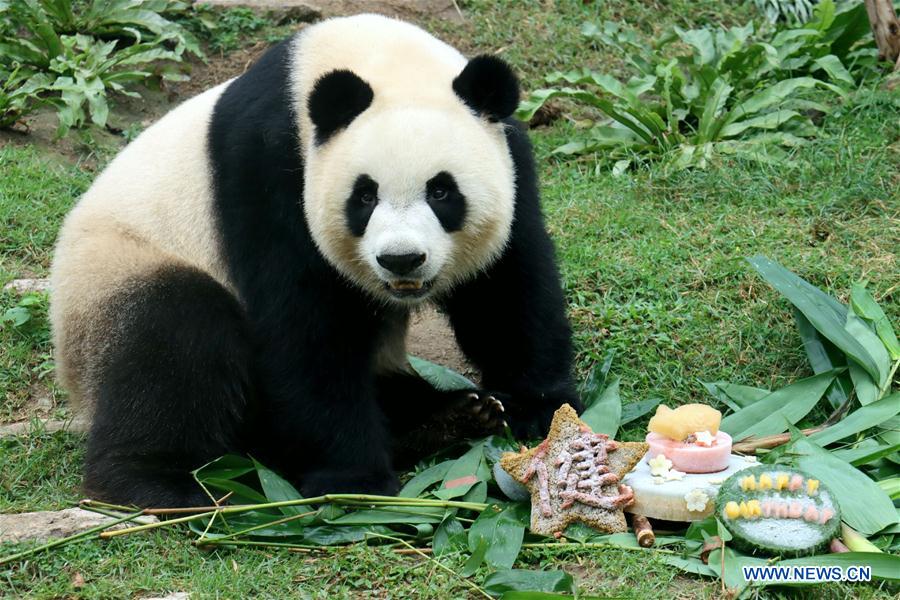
[(360, 204), (446, 201)]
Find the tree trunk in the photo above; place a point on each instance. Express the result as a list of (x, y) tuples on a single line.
[(886, 28)]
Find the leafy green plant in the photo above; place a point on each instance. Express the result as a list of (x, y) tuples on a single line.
[(137, 20), (703, 92), (19, 94), (75, 72), (21, 314), (86, 69), (225, 30)]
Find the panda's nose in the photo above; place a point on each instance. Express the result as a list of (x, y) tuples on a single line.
[(400, 264)]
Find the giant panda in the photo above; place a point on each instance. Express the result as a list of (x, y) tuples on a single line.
[(240, 277)]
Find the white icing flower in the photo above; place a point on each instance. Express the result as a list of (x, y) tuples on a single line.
[(704, 438), (674, 475), (658, 481), (659, 465), (696, 500), (716, 481), (750, 459)]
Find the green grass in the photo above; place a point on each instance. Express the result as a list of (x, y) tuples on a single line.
[(654, 268)]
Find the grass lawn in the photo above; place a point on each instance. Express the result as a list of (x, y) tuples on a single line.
[(654, 268)]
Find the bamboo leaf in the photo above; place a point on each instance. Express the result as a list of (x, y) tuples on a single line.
[(278, 489), (526, 580), (502, 532), (636, 410), (449, 535), (825, 313), (824, 356), (864, 506), (418, 484), (734, 395), (604, 414), (772, 414), (865, 453), (859, 420), (864, 306), (864, 334), (596, 380), (442, 378), (463, 474)]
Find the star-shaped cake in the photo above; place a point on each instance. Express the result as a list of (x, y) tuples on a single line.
[(575, 475)]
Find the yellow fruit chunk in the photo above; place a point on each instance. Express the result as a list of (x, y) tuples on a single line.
[(685, 420), (781, 481), (755, 509), (811, 486), (748, 484), (732, 510), (765, 482)]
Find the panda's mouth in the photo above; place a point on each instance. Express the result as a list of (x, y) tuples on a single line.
[(408, 288)]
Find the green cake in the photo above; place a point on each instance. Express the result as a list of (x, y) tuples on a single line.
[(778, 511)]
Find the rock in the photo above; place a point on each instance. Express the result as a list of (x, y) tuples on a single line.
[(75, 425), (172, 596), (23, 286), (45, 525)]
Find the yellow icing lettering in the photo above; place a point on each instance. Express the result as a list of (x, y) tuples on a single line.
[(754, 508), (812, 485), (765, 482), (781, 481), (748, 483)]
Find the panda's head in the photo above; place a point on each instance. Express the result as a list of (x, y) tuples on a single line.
[(407, 198)]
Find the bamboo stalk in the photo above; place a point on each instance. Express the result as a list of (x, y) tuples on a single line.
[(235, 534)]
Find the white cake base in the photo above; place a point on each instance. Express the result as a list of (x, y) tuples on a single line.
[(667, 500)]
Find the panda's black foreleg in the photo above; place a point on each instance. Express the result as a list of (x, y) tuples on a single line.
[(424, 420), (172, 386), (510, 320)]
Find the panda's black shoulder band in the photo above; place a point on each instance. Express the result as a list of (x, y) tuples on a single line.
[(336, 99)]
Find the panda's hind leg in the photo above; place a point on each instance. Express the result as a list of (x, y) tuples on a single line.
[(171, 390)]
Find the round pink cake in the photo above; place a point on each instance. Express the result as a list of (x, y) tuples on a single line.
[(692, 458)]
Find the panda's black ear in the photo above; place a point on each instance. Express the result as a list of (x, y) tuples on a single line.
[(336, 99), (489, 87)]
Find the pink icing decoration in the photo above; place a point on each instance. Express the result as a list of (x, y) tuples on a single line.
[(796, 510), (767, 508), (796, 483), (783, 510), (825, 515), (692, 458), (811, 514)]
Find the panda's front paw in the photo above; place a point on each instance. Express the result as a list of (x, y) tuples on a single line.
[(349, 481)]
